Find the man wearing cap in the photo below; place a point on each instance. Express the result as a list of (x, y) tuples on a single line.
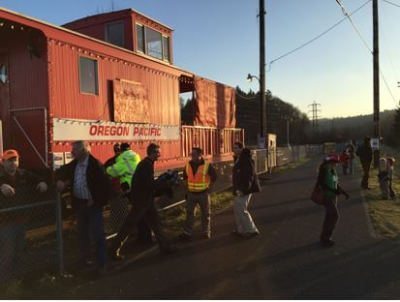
[(328, 181), (17, 187)]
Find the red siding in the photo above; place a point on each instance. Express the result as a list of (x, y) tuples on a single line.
[(95, 26), (27, 89), (69, 102)]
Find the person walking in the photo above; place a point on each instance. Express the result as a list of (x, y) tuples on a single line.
[(142, 193), (350, 149), (90, 191), (118, 205), (200, 176), (364, 152), (329, 183), (245, 183), (123, 169)]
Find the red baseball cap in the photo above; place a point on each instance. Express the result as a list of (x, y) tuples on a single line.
[(332, 158), (8, 154)]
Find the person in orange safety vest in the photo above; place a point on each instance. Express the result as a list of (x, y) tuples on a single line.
[(200, 176)]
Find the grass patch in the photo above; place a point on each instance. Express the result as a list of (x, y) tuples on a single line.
[(174, 218), (385, 214)]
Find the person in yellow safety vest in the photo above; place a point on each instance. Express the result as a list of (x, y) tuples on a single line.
[(124, 166), (200, 176)]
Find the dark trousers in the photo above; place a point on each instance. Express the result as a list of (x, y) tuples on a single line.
[(144, 232), (331, 218), (139, 212), (91, 226), (364, 181)]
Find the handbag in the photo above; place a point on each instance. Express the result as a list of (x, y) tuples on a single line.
[(317, 195)]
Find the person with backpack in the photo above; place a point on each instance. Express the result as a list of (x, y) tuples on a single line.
[(328, 182)]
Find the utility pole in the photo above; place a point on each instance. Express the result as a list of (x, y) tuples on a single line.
[(376, 77), (263, 109)]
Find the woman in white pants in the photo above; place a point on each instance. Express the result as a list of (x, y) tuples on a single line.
[(245, 182)]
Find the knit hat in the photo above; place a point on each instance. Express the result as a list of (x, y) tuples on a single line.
[(8, 154)]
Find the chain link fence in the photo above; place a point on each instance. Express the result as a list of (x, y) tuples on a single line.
[(29, 237)]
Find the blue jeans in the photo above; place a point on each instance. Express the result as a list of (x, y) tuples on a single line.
[(91, 227)]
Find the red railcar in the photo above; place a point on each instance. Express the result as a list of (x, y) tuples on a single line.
[(106, 78)]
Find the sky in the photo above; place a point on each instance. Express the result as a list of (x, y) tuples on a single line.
[(219, 40)]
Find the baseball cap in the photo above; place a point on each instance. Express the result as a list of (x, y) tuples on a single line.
[(8, 154)]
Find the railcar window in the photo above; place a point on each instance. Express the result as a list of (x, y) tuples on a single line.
[(140, 37), (153, 43), (115, 33), (88, 75), (3, 74), (165, 48)]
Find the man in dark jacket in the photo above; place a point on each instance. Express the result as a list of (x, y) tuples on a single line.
[(364, 152), (90, 191), (18, 187), (142, 194), (245, 183)]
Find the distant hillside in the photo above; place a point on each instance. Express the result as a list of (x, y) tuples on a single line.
[(355, 127)]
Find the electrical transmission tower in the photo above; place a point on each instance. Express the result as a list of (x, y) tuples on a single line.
[(315, 114)]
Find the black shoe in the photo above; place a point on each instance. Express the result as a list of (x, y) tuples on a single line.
[(327, 243), (250, 235), (236, 233), (185, 237)]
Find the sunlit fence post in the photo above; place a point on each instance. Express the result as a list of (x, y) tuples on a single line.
[(59, 230)]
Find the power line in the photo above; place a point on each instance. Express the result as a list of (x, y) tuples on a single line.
[(348, 16), (391, 3), (315, 38), (366, 45), (387, 86)]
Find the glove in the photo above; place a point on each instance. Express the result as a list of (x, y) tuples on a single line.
[(41, 187), (60, 185), (7, 190)]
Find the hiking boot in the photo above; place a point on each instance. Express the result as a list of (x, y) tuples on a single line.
[(206, 236), (327, 243)]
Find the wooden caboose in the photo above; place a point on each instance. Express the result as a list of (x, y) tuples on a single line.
[(106, 78)]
